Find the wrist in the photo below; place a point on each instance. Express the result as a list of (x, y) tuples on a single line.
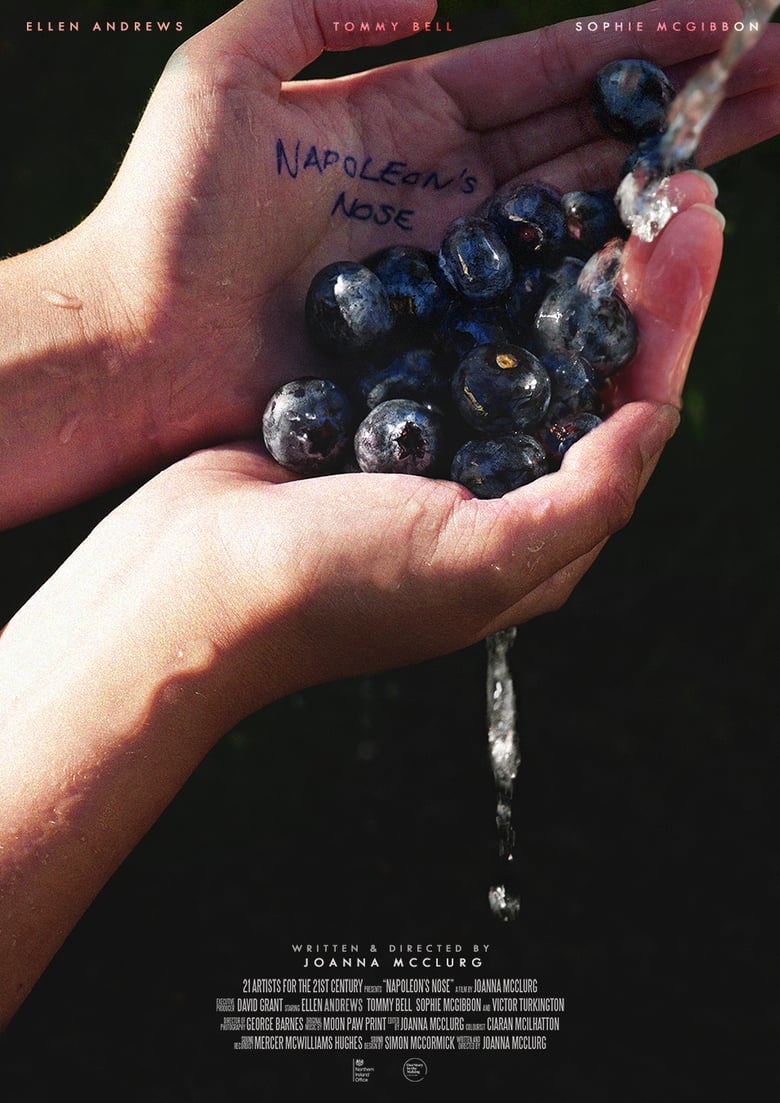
[(65, 388), (106, 707)]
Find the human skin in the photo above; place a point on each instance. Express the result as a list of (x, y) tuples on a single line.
[(225, 582), (164, 321)]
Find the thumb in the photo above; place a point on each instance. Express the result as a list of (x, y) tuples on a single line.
[(283, 36)]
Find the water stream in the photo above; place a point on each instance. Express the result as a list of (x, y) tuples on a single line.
[(645, 206), (504, 748), (642, 197)]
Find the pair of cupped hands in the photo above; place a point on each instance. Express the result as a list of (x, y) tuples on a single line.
[(191, 275), (146, 342)]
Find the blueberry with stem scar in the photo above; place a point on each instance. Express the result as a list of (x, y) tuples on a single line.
[(307, 426), (401, 437), (417, 293), (497, 388), (557, 437)]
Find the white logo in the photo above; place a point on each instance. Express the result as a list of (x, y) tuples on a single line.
[(360, 1070), (415, 1069)]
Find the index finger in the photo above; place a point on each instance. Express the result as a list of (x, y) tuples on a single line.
[(668, 285)]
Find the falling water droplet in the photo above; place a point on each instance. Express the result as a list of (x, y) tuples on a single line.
[(504, 905), (503, 746)]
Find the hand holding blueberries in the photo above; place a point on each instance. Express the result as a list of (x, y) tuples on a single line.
[(192, 270), (160, 328)]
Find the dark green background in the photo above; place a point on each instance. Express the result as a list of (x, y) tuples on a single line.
[(364, 810)]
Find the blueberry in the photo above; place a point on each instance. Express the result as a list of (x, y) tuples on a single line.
[(413, 282), (475, 260), (497, 388), (308, 426), (631, 99), (504, 335), (575, 386), (401, 436), (557, 437), (592, 219), (531, 221), (415, 373), (347, 309), (491, 468), (599, 328)]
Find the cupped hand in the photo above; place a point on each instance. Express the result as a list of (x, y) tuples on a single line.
[(296, 581), (239, 182)]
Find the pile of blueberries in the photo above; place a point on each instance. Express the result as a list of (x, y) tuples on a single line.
[(486, 362)]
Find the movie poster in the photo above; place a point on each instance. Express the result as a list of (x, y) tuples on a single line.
[(311, 914)]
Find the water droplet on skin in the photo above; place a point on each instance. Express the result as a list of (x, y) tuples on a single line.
[(68, 429), (59, 298), (195, 656), (189, 659)]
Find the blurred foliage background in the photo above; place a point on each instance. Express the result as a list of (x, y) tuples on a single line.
[(363, 811)]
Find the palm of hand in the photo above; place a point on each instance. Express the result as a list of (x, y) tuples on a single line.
[(243, 215)]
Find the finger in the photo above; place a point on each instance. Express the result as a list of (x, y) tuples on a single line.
[(243, 458), (550, 595), (450, 567), (283, 36), (739, 123), (669, 286), (517, 543), (682, 191), (758, 68), (555, 65), (574, 149)]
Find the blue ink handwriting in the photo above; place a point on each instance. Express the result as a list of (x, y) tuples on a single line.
[(391, 173), (381, 214)]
